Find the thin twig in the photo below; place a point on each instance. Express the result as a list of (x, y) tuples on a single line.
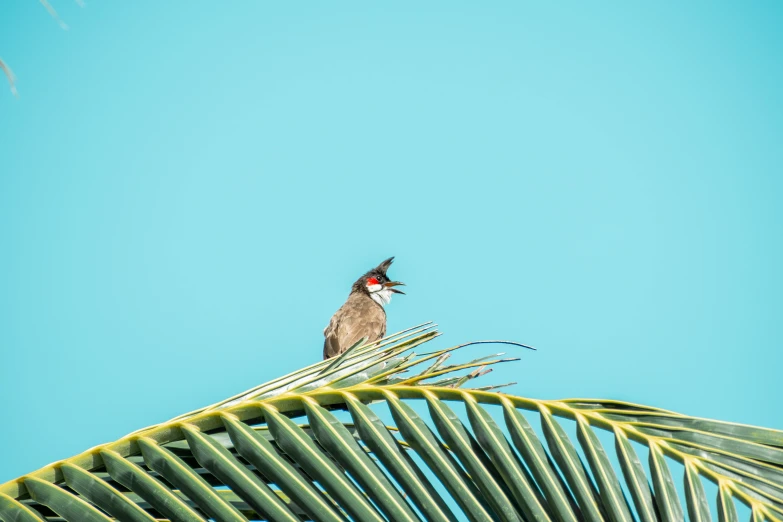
[(10, 75), (54, 14)]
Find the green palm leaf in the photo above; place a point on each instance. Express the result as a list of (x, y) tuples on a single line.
[(384, 434)]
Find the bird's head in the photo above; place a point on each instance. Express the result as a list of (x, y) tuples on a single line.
[(377, 284)]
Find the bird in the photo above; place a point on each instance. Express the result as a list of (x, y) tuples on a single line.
[(362, 316)]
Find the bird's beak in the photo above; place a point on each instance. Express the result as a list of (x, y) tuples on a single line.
[(392, 284)]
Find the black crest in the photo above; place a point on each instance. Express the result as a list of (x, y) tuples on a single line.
[(379, 273), (384, 266)]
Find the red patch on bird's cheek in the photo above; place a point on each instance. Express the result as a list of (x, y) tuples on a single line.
[(372, 281)]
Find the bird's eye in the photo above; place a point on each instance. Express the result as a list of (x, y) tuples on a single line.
[(372, 281)]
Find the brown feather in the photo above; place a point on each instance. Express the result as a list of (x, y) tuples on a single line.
[(359, 317)]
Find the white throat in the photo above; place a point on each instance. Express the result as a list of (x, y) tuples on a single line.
[(380, 294)]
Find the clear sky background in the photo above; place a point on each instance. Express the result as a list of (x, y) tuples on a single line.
[(188, 190)]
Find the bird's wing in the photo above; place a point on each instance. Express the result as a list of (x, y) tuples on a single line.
[(355, 320), (331, 347), (331, 344), (360, 321)]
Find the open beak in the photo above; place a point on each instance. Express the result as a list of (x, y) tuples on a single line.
[(392, 284)]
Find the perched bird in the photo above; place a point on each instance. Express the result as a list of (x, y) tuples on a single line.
[(362, 315)]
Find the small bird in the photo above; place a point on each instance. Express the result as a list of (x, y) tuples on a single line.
[(362, 315)]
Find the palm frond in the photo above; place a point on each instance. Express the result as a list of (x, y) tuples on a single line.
[(385, 434)]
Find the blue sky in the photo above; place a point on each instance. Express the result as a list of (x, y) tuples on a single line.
[(188, 190)]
